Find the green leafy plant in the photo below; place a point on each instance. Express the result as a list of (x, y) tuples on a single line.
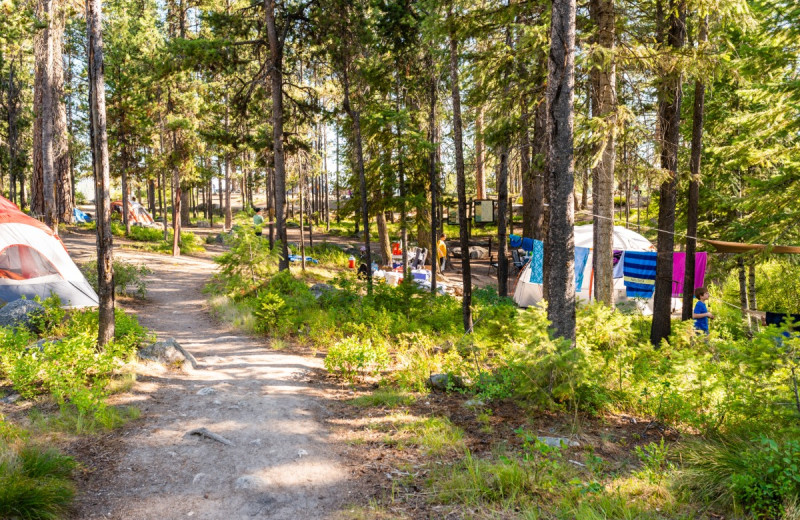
[(247, 265), (352, 357), (128, 278)]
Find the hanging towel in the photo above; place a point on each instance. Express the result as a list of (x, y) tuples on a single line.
[(527, 244), (618, 264), (515, 241), (640, 273), (537, 262), (581, 256), (679, 268)]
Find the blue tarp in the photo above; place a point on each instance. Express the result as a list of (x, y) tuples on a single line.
[(80, 217), (297, 258)]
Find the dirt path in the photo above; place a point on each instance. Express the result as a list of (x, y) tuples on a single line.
[(282, 463)]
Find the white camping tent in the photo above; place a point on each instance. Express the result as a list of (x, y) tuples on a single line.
[(34, 262), (527, 293)]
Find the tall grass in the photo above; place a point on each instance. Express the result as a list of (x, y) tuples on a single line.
[(34, 482)]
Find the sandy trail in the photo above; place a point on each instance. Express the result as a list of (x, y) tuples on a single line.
[(282, 463)]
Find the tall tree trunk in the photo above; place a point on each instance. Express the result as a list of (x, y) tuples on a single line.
[(502, 223), (338, 183), (177, 198), (228, 183), (125, 194), (751, 286), (355, 117), (538, 172), (186, 202), (527, 176), (604, 105), (463, 230), (47, 98), (276, 84), (151, 196), (326, 188), (742, 285), (383, 237), (560, 246), (480, 157), (99, 141), (432, 171), (12, 120), (502, 203), (301, 189), (694, 184), (401, 174), (669, 115)]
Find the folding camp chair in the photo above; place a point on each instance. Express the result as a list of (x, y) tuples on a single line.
[(519, 262), (418, 260)]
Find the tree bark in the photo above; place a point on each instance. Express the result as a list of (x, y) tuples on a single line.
[(527, 177), (228, 183), (383, 237), (432, 170), (276, 84), (463, 229), (669, 117), (51, 153), (539, 172), (751, 286), (402, 181), (355, 117), (125, 194), (12, 119), (100, 164), (186, 202), (151, 196), (694, 184), (604, 105), (502, 223), (559, 246), (480, 157), (742, 285)]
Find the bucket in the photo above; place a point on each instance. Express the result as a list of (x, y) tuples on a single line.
[(351, 262)]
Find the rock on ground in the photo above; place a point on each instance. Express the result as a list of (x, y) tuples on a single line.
[(168, 352), (20, 313)]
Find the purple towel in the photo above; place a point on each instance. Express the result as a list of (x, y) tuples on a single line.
[(679, 268)]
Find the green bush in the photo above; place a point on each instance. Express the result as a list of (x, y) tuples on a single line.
[(247, 265), (128, 278), (352, 357), (66, 363), (271, 312), (147, 234)]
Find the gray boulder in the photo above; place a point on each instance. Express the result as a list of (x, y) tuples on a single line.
[(445, 382), (558, 442), (20, 313), (169, 352), (318, 289), (475, 252)]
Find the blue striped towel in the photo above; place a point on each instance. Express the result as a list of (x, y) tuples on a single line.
[(640, 273)]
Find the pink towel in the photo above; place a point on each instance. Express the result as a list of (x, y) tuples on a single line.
[(679, 268)]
